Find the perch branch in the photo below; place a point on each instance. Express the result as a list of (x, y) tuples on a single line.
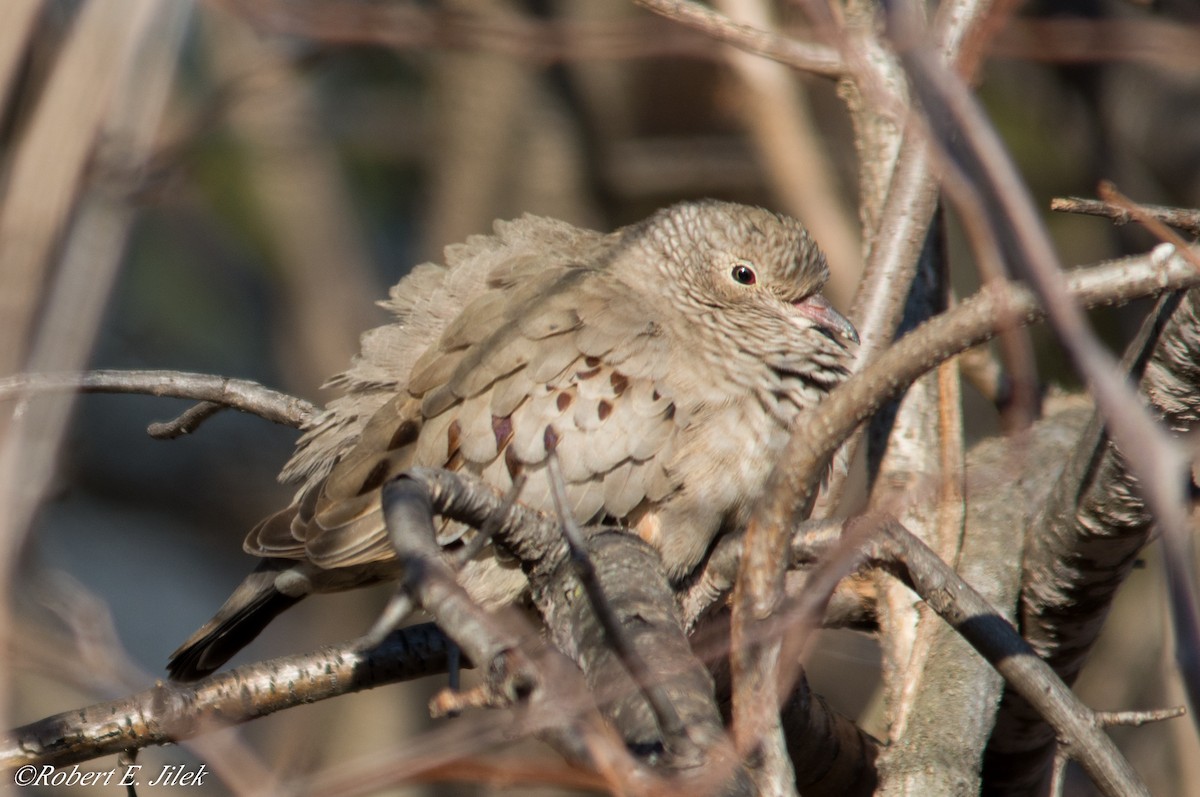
[(674, 732), (632, 587)]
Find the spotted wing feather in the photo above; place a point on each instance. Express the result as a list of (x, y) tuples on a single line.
[(494, 404)]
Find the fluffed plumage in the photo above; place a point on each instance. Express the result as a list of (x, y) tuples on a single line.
[(667, 360)]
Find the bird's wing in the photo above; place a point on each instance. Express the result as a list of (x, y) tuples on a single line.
[(422, 305), (558, 357)]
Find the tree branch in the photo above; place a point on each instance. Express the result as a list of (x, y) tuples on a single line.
[(816, 58), (238, 394), (1182, 218), (171, 711), (1085, 542)]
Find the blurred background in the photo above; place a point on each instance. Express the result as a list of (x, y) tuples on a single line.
[(274, 166)]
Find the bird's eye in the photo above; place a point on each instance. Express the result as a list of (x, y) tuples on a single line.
[(743, 274)]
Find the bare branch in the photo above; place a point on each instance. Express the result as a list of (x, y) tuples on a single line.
[(1085, 542), (1182, 218), (171, 711), (975, 148), (674, 732), (238, 394), (1081, 732), (815, 58)]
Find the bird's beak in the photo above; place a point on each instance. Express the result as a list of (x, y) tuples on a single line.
[(817, 309)]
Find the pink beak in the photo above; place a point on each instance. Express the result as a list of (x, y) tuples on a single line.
[(817, 309)]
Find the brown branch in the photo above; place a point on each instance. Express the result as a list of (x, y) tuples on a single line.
[(1184, 219), (491, 642), (971, 144), (673, 732), (816, 58), (171, 711), (634, 589), (1085, 543), (887, 544), (238, 394), (939, 748), (787, 497), (1080, 730), (900, 192)]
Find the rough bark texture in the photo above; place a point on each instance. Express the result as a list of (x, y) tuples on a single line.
[(1083, 547), (940, 750)]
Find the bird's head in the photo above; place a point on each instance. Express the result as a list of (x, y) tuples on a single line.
[(743, 268)]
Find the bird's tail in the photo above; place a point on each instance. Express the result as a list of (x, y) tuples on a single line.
[(254, 604)]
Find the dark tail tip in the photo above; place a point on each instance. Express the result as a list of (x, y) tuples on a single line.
[(252, 606)]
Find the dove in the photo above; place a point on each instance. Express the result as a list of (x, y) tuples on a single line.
[(663, 363)]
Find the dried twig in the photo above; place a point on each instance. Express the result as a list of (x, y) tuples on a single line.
[(807, 57), (1184, 219), (171, 711), (238, 394), (1132, 719)]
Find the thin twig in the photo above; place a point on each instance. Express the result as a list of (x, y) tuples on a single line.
[(1136, 719), (816, 58), (238, 394), (1108, 191), (1184, 219), (186, 422)]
